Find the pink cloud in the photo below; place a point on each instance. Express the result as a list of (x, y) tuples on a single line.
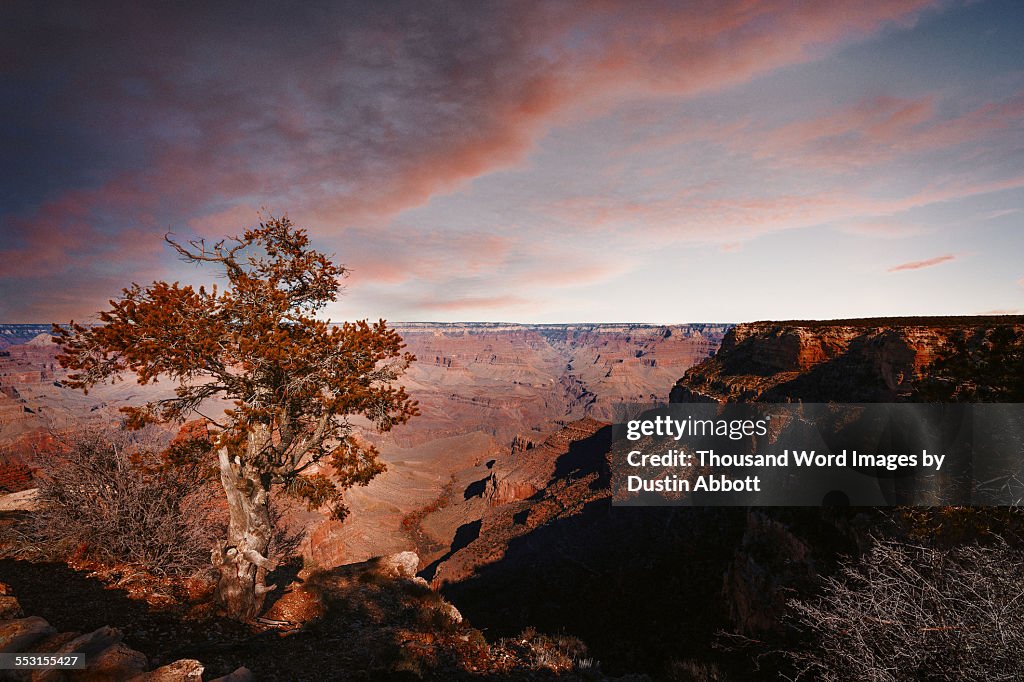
[(232, 220), (473, 303), (719, 216), (560, 273), (675, 49), (875, 130), (400, 254), (919, 264), (943, 189), (992, 215), (882, 229), (378, 113), (624, 58), (718, 213), (503, 90), (68, 236)]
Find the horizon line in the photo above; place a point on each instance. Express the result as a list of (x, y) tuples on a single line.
[(633, 323)]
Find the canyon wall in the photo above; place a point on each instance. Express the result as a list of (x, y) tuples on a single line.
[(868, 360), (937, 360)]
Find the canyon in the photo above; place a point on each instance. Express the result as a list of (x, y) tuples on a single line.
[(486, 391), (502, 485)]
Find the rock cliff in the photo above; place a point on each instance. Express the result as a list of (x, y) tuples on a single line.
[(869, 360), (943, 359)]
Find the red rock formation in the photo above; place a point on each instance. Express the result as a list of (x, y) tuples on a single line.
[(866, 360), (526, 471)]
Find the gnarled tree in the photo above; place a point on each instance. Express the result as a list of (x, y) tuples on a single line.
[(295, 382)]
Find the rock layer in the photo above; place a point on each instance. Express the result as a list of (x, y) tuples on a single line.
[(869, 360)]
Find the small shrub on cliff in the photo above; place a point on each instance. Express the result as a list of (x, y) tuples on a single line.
[(116, 497), (906, 612), (560, 653)]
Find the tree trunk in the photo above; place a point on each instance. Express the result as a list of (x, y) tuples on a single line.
[(242, 560)]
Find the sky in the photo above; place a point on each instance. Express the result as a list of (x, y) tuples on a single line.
[(525, 161)]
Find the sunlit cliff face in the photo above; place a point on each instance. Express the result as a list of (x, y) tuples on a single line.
[(527, 162)]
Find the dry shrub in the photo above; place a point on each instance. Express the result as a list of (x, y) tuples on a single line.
[(906, 612), (558, 653), (114, 497)]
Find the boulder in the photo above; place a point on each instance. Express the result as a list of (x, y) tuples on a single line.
[(116, 662), (184, 670), (400, 565), (92, 643), (297, 605), (20, 634), (107, 658)]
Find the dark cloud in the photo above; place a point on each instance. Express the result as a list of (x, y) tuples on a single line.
[(125, 119)]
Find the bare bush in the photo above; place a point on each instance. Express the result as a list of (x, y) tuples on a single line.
[(113, 497), (906, 612)]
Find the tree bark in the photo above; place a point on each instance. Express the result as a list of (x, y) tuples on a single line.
[(242, 560)]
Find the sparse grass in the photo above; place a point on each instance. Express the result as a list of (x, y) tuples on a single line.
[(14, 475)]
